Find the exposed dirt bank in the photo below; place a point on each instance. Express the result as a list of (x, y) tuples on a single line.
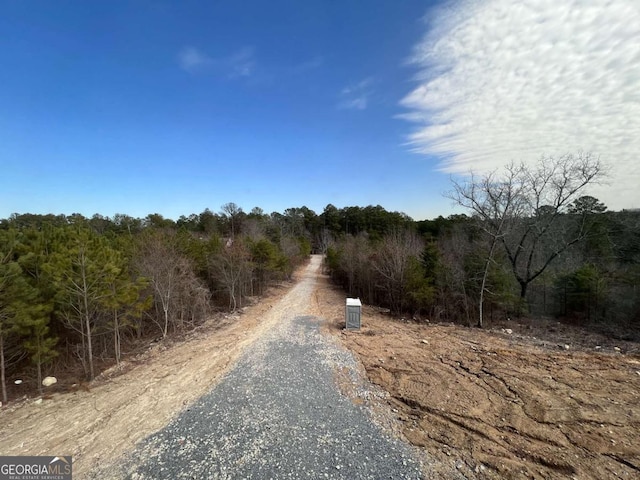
[(510, 405)]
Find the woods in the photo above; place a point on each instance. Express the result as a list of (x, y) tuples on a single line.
[(533, 245), (77, 294), (447, 268)]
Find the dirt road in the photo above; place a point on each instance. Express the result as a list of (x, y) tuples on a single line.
[(256, 417), (277, 414), (123, 407), (483, 404)]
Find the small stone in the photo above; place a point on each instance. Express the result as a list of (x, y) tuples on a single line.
[(48, 381), (598, 347), (38, 401), (617, 349), (508, 331), (424, 341), (18, 382), (567, 347)]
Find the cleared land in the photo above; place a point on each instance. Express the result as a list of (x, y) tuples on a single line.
[(486, 404), (525, 400)]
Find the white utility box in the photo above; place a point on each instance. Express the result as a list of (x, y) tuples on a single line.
[(353, 313)]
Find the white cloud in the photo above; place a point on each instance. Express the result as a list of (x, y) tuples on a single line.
[(240, 64), (236, 65), (501, 80), (356, 96), (193, 60)]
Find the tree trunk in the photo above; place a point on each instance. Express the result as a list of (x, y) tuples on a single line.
[(87, 319), (523, 296), (84, 347), (116, 336), (232, 297), (523, 289), (484, 280), (2, 373), (481, 303), (89, 346), (39, 370), (165, 309), (466, 304)]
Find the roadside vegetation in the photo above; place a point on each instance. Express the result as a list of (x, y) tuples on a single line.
[(77, 293), (533, 245)]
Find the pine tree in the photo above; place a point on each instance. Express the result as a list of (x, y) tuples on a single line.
[(84, 269), (22, 313), (124, 302)]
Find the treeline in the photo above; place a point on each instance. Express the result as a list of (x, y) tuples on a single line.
[(77, 293), (434, 269), (532, 245)]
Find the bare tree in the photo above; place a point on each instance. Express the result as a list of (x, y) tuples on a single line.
[(193, 302), (323, 240), (253, 228), (392, 264), (454, 298), (169, 273), (495, 199), (541, 231), (355, 265), (233, 213), (232, 268), (524, 210)]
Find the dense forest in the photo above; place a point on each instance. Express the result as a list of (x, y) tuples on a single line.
[(533, 245), (433, 270), (77, 293)]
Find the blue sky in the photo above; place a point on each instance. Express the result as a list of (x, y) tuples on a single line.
[(140, 107)]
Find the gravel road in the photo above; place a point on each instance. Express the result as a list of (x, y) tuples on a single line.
[(277, 414)]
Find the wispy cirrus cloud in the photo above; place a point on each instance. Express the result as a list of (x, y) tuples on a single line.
[(238, 64), (502, 80), (356, 96), (193, 60)]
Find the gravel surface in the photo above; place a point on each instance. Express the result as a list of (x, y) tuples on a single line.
[(277, 414)]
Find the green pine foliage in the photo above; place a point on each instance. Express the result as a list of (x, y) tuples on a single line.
[(78, 294)]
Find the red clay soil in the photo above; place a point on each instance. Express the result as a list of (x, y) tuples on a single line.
[(504, 403)]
